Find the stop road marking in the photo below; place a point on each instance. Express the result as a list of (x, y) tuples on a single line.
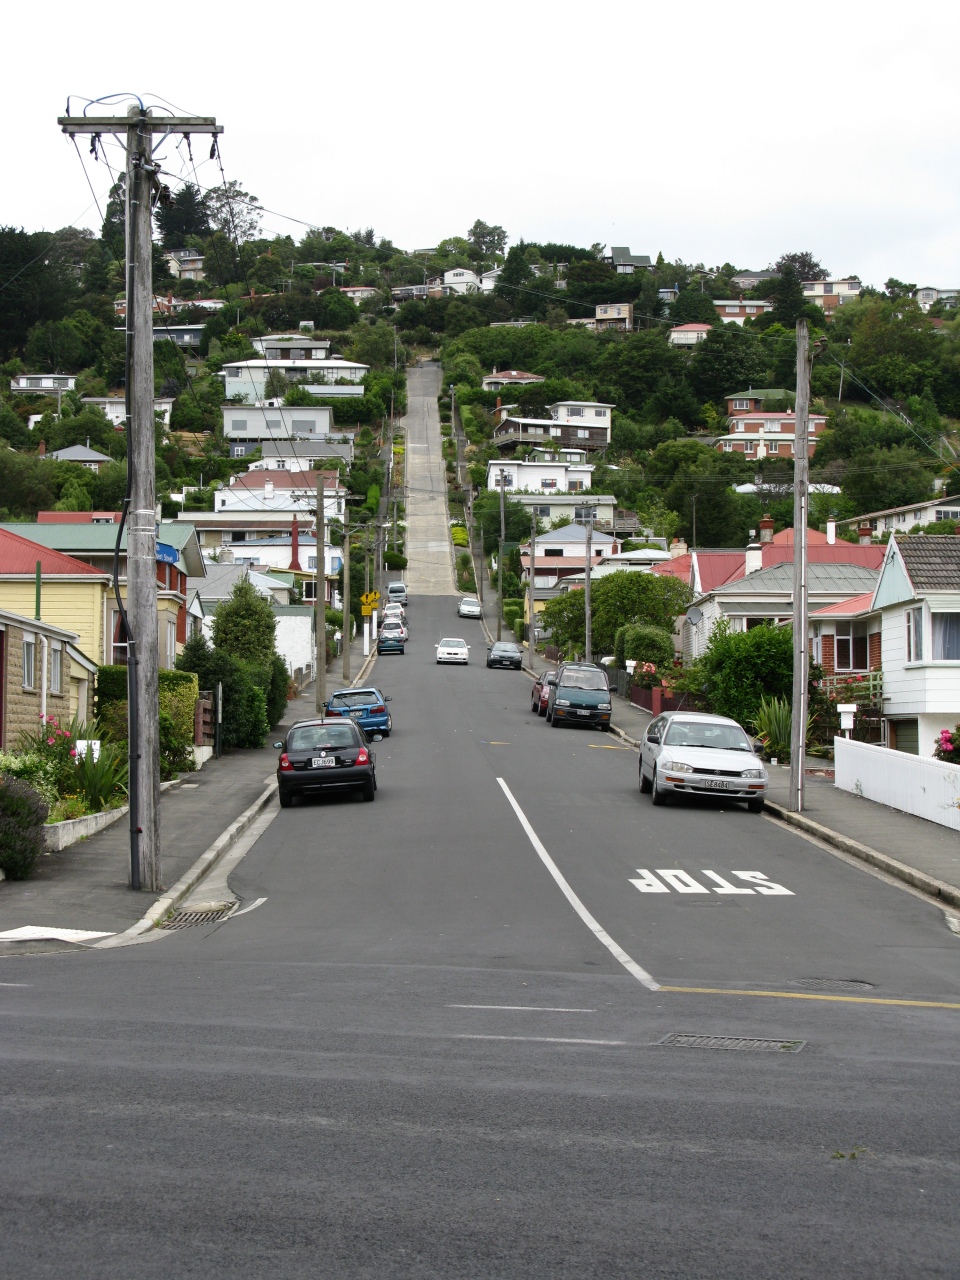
[(683, 882)]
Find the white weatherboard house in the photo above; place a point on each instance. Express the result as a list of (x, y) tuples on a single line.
[(544, 471), (246, 426), (247, 378), (918, 597)]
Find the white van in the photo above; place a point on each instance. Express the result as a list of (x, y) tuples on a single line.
[(396, 593)]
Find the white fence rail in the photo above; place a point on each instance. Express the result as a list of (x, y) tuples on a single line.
[(919, 785)]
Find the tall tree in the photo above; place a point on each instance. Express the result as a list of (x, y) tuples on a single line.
[(245, 625), (234, 211), (805, 265), (693, 306), (486, 241), (184, 216)]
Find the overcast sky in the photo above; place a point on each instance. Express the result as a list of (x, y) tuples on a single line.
[(707, 132)]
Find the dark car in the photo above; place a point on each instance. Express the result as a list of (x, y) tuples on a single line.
[(390, 641), (332, 754), (579, 694), (541, 692), (365, 707), (504, 653)]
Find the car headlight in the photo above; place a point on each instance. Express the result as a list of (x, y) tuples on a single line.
[(562, 702), (674, 766), (753, 773), (603, 706)]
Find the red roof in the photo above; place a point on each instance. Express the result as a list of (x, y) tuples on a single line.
[(77, 517), (785, 538), (693, 327), (827, 553), (20, 555), (285, 479), (717, 568), (846, 608), (678, 567)]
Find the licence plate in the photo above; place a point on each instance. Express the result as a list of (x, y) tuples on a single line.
[(583, 713), (356, 714), (324, 762), (714, 784)]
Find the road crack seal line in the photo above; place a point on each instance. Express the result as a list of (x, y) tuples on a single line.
[(593, 925)]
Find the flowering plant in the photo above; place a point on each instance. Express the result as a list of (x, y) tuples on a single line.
[(56, 746), (645, 675), (946, 745)]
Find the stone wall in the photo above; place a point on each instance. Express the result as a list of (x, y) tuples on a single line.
[(21, 707)]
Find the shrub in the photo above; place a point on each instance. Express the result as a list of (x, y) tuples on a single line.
[(32, 768), (394, 560), (22, 815), (244, 698), (648, 644), (741, 668), (277, 691), (111, 686), (55, 744), (459, 536), (101, 780)]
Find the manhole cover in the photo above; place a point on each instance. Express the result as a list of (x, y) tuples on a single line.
[(684, 1041), (833, 984), (187, 919)]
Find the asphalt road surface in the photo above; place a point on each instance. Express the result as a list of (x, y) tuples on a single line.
[(433, 1050)]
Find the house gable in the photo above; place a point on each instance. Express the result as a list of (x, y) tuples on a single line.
[(893, 587)]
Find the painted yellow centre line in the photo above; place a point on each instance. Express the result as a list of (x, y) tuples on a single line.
[(808, 995), (604, 746)]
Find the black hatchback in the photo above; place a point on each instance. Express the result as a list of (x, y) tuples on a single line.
[(325, 755), (504, 653)]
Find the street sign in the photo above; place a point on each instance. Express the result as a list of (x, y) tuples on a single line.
[(366, 610), (370, 597)]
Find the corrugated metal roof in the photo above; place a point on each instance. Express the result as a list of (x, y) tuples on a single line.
[(837, 579), (846, 608), (20, 555)]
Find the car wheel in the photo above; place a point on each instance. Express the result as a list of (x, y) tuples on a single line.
[(557, 724), (369, 790), (755, 806), (286, 800), (644, 783), (541, 710), (402, 650), (656, 795), (534, 705)]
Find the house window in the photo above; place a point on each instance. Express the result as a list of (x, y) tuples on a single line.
[(738, 426), (582, 514), (741, 404), (505, 478), (575, 486), (599, 413), (583, 434), (732, 310), (540, 511), (748, 446), (575, 413), (851, 652), (171, 642), (751, 311), (913, 619), (29, 661), (239, 451), (946, 515), (311, 562), (946, 637), (828, 288), (553, 551), (304, 424), (773, 446), (56, 669), (548, 484), (774, 426), (728, 446)]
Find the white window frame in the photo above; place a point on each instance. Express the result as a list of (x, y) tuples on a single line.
[(29, 643), (913, 634), (56, 667), (935, 616), (741, 404)]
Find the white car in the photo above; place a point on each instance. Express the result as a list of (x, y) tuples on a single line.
[(394, 611), (469, 608), (690, 753), (395, 627), (453, 650)]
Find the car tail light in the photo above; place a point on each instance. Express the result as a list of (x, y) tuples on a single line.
[(285, 762), (377, 711), (334, 711), (362, 756)]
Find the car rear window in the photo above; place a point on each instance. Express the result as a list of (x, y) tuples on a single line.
[(321, 737), (362, 698)]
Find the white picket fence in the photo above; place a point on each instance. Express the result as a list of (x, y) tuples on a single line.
[(919, 785)]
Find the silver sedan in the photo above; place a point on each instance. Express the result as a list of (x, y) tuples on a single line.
[(689, 753)]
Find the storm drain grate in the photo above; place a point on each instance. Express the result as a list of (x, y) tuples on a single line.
[(187, 919), (683, 1041), (833, 984)]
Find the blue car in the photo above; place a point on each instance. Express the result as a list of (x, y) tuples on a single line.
[(365, 707)]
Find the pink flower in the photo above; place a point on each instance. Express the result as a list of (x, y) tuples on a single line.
[(73, 751), (50, 742)]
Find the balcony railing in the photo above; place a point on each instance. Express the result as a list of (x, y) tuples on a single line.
[(865, 688)]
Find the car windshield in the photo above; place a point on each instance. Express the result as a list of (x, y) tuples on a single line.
[(724, 737), (469, 600), (584, 680), (356, 698), (453, 644), (321, 737)]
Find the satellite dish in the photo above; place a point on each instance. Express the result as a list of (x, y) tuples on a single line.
[(694, 615)]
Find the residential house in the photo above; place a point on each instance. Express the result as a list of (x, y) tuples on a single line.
[(43, 672), (84, 537), (510, 378), (625, 263), (299, 455), (927, 296), (614, 315), (43, 384), (918, 599), (74, 595), (407, 292), (688, 335), (185, 264), (282, 491), (762, 435), (293, 554), (291, 346), (198, 304), (489, 279), (831, 294), (92, 459), (115, 408), (358, 293), (753, 279), (736, 311), (246, 427), (668, 296), (753, 400), (580, 424), (248, 378), (544, 471), (562, 552), (461, 280), (902, 519)]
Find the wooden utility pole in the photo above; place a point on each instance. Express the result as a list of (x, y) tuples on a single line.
[(588, 620), (320, 603), (139, 610), (346, 594), (532, 628), (801, 475), (503, 536)]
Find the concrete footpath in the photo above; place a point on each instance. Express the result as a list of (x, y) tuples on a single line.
[(85, 886)]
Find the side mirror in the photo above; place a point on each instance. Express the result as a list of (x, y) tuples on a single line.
[(387, 698), (653, 737), (378, 737), (489, 648), (278, 746), (552, 680)]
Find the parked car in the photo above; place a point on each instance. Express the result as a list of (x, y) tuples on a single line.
[(390, 642), (453, 650), (325, 755), (397, 626), (394, 610), (365, 707), (579, 694), (397, 593), (469, 607), (692, 753), (540, 692), (504, 653)]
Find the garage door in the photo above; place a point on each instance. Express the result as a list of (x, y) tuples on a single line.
[(906, 736)]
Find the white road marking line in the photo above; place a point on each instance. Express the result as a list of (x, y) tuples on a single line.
[(257, 902), (16, 984), (516, 1008), (542, 1040), (36, 933), (599, 932)]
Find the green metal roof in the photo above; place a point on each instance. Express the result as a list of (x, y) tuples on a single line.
[(100, 539)]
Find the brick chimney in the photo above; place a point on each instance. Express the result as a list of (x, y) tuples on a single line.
[(865, 535), (42, 449), (766, 529), (295, 546), (677, 548)]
